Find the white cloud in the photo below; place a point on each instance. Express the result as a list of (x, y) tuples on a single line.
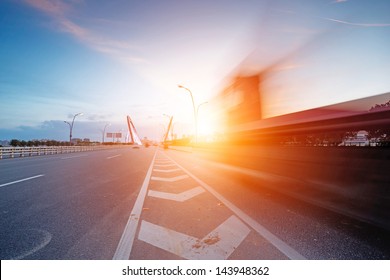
[(359, 24), (59, 10)]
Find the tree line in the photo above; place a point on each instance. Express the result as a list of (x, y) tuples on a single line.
[(37, 143)]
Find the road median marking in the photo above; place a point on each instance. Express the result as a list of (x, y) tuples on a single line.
[(165, 165), (126, 242), (217, 245), (162, 161), (167, 170), (172, 179), (180, 197), (270, 237), (22, 180)]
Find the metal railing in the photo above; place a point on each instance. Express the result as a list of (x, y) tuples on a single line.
[(14, 152)]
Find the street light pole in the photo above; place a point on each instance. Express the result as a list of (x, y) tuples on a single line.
[(70, 135), (195, 114), (71, 127)]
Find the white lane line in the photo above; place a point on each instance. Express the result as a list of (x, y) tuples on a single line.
[(114, 156), (172, 179), (126, 242), (22, 180), (179, 197), (74, 156), (217, 245), (167, 170), (283, 247)]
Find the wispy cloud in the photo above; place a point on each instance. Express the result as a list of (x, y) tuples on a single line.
[(59, 11), (359, 24), (340, 1), (52, 7)]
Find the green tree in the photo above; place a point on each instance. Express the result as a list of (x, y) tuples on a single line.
[(15, 143)]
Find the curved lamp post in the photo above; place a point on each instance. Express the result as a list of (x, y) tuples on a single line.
[(195, 113), (71, 127)]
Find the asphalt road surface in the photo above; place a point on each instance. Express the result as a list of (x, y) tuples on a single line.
[(150, 203)]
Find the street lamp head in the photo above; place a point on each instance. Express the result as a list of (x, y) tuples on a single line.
[(180, 86)]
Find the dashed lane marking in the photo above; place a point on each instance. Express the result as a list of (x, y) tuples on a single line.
[(74, 156), (172, 179), (114, 156), (180, 197), (217, 245), (22, 180)]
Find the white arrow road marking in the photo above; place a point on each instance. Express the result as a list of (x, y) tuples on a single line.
[(167, 170), (165, 165), (172, 179), (180, 197), (218, 244), (273, 239)]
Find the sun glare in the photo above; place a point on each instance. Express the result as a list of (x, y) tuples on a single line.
[(208, 126)]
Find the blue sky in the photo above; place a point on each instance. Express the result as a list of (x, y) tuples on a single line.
[(109, 59)]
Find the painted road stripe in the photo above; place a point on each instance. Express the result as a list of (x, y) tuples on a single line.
[(162, 160), (44, 239), (273, 239), (114, 156), (217, 245), (164, 165), (22, 180), (167, 170), (179, 197), (126, 242), (74, 156), (172, 179)]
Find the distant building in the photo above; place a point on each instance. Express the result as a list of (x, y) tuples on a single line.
[(76, 141), (4, 143), (361, 139)]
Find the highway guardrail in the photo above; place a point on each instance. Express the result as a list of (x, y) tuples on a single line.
[(14, 152)]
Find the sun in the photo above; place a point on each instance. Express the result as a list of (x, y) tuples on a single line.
[(207, 125)]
